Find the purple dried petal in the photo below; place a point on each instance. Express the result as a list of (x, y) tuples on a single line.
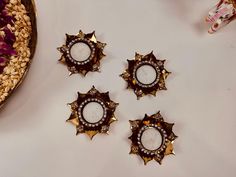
[(2, 61), (4, 45), (6, 49), (10, 52), (1, 69), (5, 19), (6, 42), (9, 36), (2, 22), (3, 4), (9, 19)]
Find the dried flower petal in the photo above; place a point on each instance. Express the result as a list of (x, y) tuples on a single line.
[(9, 36), (2, 60)]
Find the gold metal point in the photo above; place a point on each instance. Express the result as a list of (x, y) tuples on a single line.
[(93, 38), (91, 134), (93, 62), (82, 125), (74, 121), (146, 160), (142, 89), (154, 121)]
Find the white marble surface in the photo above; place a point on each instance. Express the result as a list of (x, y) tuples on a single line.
[(36, 141)]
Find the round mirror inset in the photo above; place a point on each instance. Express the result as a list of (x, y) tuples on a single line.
[(151, 139), (93, 112), (146, 74), (80, 51)]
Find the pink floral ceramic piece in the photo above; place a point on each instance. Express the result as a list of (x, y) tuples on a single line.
[(222, 14)]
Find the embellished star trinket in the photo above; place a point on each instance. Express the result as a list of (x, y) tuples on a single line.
[(138, 72), (82, 53), (95, 123), (152, 138)]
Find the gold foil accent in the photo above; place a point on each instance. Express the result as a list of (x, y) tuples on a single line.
[(139, 88), (91, 129), (92, 63), (154, 121)]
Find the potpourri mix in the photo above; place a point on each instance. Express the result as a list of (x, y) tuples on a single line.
[(15, 35)]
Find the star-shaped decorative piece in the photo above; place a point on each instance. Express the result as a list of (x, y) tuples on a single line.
[(156, 122), (92, 63), (141, 89), (84, 126)]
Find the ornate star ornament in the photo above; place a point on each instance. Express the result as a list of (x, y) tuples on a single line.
[(156, 122), (142, 89), (84, 126), (92, 63)]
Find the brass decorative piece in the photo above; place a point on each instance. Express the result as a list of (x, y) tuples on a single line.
[(84, 126), (142, 89), (156, 122), (92, 63)]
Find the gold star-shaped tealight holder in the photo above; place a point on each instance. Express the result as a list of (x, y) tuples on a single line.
[(141, 89), (92, 63), (157, 123), (78, 119)]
